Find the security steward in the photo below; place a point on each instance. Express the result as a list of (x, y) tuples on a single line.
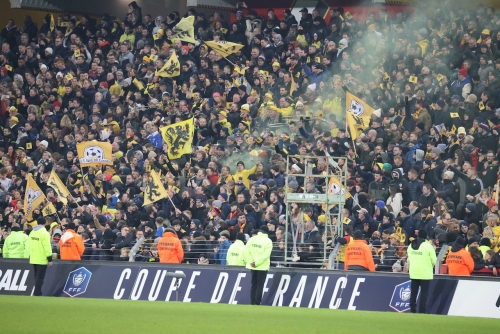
[(358, 255), (170, 248), (258, 260), (40, 253), (71, 244)]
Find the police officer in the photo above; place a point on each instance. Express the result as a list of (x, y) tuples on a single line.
[(421, 258), (16, 244), (258, 260), (40, 252)]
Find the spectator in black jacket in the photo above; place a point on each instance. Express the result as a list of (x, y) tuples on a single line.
[(428, 197), (122, 241)]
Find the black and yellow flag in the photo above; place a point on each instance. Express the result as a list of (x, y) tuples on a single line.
[(155, 190), (224, 48), (172, 68), (49, 210), (179, 138), (92, 153), (184, 30), (59, 188), (358, 115), (52, 23), (138, 84), (33, 197)]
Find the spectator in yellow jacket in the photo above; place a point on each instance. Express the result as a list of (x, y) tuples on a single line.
[(243, 173)]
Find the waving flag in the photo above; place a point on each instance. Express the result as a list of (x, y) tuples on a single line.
[(224, 48), (184, 30), (172, 68), (155, 190), (93, 153), (59, 188), (358, 115), (33, 197), (179, 138)]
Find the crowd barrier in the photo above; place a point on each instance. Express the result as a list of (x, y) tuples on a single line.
[(231, 285)]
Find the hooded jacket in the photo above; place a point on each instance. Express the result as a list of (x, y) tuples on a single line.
[(459, 261), (236, 254), (221, 256), (422, 258), (170, 248), (71, 245), (258, 251), (16, 245)]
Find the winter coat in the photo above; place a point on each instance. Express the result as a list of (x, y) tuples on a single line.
[(236, 254), (258, 252), (359, 254), (459, 261), (170, 248), (221, 256), (71, 246), (421, 258), (16, 246)]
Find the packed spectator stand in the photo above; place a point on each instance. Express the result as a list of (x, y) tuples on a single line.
[(427, 160)]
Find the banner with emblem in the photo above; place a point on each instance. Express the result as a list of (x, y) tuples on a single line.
[(33, 197), (172, 68), (358, 115), (91, 153), (224, 48), (179, 138), (59, 188), (155, 190), (184, 30), (49, 210), (52, 22)]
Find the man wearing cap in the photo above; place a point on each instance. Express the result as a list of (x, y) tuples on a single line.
[(358, 255), (258, 260), (421, 260), (170, 248), (485, 138), (71, 244), (463, 85), (40, 252), (305, 19)]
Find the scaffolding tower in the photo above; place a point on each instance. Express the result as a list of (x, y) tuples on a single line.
[(332, 200)]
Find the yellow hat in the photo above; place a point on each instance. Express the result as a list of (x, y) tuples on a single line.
[(246, 123), (118, 155), (54, 224), (15, 119), (245, 107), (146, 59), (269, 95), (116, 178), (160, 32), (322, 218), (223, 114), (486, 32), (12, 108), (276, 64)]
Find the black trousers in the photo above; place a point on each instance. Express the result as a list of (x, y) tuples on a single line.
[(40, 271), (424, 292), (258, 280)]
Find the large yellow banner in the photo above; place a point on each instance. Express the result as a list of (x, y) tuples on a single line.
[(155, 190), (358, 115)]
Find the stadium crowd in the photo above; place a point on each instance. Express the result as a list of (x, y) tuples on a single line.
[(427, 161)]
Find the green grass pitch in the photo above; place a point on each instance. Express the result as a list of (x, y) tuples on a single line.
[(79, 315)]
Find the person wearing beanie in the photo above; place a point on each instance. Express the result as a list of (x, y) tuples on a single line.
[(459, 260), (358, 255), (242, 173), (71, 244), (421, 259), (220, 252), (463, 85), (258, 260), (40, 253), (170, 247), (16, 244)]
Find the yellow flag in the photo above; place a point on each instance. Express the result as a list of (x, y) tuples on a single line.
[(8, 67), (172, 68), (335, 188), (179, 138), (293, 86), (155, 190), (358, 115), (184, 30), (453, 129), (59, 188), (93, 153), (224, 48), (52, 23), (413, 79), (76, 53), (33, 197), (49, 210), (138, 84)]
